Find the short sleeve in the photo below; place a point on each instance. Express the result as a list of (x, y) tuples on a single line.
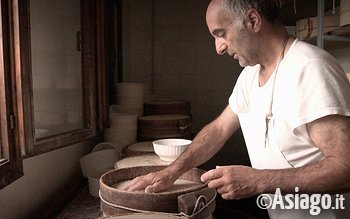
[(322, 89)]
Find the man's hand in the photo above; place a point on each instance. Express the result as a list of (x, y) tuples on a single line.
[(233, 182), (151, 183)]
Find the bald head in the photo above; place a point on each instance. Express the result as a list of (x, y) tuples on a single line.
[(219, 9), (218, 13), (215, 3), (215, 7), (238, 8)]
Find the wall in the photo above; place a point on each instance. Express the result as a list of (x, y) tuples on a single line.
[(342, 55), (168, 47), (44, 176)]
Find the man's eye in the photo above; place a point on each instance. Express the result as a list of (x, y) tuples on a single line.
[(221, 34)]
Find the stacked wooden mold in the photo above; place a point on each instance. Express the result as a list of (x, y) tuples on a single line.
[(122, 128), (139, 154), (139, 149), (130, 97), (123, 115), (165, 119)]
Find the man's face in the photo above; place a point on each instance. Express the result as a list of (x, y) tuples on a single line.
[(229, 37)]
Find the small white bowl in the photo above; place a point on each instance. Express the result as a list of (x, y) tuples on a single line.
[(170, 149), (94, 181), (108, 145), (97, 161)]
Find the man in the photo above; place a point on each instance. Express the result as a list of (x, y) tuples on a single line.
[(292, 101)]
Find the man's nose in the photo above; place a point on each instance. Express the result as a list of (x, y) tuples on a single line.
[(220, 47)]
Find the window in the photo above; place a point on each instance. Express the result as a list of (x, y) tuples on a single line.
[(50, 78)]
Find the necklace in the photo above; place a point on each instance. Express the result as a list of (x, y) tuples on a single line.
[(269, 114)]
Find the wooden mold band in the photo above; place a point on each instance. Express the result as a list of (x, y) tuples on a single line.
[(197, 207)]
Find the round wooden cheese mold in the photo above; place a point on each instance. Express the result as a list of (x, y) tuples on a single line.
[(147, 216), (140, 161), (164, 126), (167, 107), (151, 216), (139, 148), (116, 201)]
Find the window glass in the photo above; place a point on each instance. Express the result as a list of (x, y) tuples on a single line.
[(56, 66)]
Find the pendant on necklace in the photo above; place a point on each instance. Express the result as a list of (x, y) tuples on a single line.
[(267, 121)]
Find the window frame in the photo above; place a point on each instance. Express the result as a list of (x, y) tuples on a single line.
[(11, 166), (19, 141), (35, 146)]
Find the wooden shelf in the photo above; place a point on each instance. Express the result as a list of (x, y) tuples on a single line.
[(341, 31), (330, 44), (335, 39), (338, 38)]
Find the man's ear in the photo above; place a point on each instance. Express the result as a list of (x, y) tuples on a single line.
[(253, 20)]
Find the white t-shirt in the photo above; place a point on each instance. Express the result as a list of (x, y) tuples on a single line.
[(309, 85)]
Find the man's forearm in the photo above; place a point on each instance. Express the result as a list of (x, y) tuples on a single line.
[(326, 176), (207, 143)]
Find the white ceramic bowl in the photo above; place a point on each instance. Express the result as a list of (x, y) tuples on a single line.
[(97, 161), (94, 181), (108, 145), (170, 149)]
